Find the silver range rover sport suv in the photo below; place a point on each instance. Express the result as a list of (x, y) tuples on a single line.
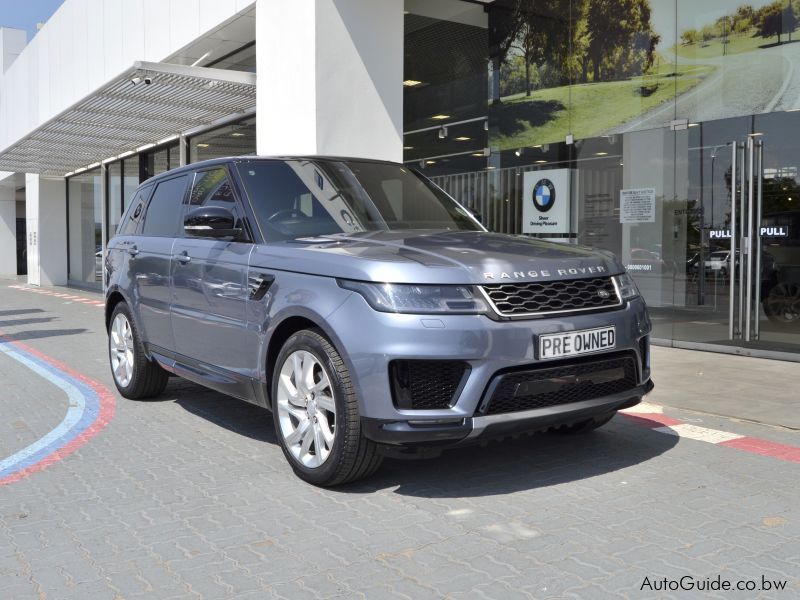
[(368, 310)]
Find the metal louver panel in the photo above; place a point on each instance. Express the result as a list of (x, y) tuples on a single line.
[(121, 117)]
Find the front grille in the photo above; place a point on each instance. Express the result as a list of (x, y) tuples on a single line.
[(553, 386), (426, 384), (545, 297)]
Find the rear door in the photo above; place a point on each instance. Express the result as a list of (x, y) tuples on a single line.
[(149, 263), (210, 285)]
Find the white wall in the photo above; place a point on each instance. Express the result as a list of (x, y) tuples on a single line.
[(46, 221), (8, 229), (331, 75), (12, 42), (87, 42)]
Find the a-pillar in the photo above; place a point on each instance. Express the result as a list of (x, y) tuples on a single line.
[(330, 78), (46, 220)]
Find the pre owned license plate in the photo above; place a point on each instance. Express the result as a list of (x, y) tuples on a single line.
[(573, 343)]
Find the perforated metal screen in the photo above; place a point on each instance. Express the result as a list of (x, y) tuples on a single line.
[(122, 116)]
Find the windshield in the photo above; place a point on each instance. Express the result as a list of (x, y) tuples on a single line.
[(308, 198), (719, 255)]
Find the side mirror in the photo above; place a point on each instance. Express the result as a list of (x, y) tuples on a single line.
[(475, 213), (210, 221)]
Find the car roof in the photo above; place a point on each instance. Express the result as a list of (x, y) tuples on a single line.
[(234, 159)]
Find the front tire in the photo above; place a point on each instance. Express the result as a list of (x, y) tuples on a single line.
[(135, 376), (315, 410)]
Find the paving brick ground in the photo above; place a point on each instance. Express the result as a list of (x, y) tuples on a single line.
[(189, 496)]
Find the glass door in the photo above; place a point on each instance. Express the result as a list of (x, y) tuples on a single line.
[(742, 282), (772, 272)]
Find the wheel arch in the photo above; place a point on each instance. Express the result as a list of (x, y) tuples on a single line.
[(114, 296), (287, 326)]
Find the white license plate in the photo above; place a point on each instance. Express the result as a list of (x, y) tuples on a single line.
[(573, 343)]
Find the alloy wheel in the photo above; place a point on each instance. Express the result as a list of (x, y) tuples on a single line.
[(306, 408), (120, 341), (784, 302)]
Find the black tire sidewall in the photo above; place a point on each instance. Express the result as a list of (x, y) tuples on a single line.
[(311, 341)]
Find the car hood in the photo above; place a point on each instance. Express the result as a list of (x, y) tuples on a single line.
[(440, 257)]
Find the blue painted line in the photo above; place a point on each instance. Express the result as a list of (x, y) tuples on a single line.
[(83, 410)]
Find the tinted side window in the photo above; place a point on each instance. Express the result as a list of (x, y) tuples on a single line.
[(213, 188), (164, 211), (134, 213)]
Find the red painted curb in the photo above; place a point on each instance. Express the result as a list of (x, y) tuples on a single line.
[(765, 448)]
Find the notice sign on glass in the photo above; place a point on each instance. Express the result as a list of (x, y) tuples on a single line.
[(637, 205)]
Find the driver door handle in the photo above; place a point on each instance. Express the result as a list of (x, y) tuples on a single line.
[(183, 258)]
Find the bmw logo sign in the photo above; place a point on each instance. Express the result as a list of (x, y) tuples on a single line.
[(544, 195)]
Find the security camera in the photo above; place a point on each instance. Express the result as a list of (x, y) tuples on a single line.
[(136, 80), (148, 80)]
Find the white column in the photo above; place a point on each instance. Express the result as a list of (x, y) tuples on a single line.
[(46, 217), (8, 228), (12, 42), (330, 78)]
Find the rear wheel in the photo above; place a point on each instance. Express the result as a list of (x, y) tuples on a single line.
[(316, 413), (782, 304), (135, 376), (584, 426)]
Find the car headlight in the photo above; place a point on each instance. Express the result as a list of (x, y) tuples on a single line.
[(419, 299), (626, 286)]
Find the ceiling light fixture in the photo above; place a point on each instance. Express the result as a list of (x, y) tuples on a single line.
[(412, 83), (462, 138), (203, 145), (440, 117), (201, 59), (237, 134)]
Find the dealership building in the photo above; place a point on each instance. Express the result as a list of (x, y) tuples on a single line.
[(673, 141)]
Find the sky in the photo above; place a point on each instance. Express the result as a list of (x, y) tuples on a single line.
[(24, 14)]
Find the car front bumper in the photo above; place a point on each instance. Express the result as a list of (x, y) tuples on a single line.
[(370, 340), (426, 433)]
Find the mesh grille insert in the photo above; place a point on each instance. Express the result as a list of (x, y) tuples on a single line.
[(553, 386), (515, 299), (425, 384)]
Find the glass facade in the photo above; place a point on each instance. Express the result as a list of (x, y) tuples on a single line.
[(84, 209), (668, 137), (85, 193), (236, 139)]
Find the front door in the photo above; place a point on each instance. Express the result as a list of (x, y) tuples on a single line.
[(209, 288)]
